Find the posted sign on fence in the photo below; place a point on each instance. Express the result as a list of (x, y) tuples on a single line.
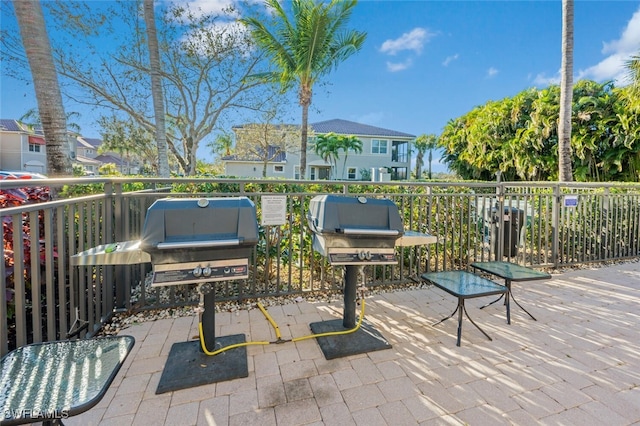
[(274, 210)]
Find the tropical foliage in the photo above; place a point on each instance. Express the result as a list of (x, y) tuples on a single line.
[(304, 46), (518, 136)]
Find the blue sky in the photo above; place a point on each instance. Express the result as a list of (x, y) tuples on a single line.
[(426, 62)]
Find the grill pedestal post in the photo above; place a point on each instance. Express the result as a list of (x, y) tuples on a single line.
[(188, 365), (209, 321), (350, 284), (363, 340)]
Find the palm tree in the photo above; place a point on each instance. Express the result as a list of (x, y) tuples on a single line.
[(566, 94), (327, 147), (349, 143), (633, 70), (222, 144), (304, 47), (45, 80), (422, 144), (156, 88)]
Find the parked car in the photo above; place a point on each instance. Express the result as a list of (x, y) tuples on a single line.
[(17, 196), (21, 175)]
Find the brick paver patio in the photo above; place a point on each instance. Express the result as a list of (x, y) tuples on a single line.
[(579, 364)]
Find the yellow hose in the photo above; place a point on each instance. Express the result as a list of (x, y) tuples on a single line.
[(335, 333), (226, 348), (278, 335), (273, 323)]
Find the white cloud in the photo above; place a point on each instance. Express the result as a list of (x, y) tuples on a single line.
[(541, 80), (450, 59), (399, 66), (619, 51), (210, 6), (413, 40), (491, 72)]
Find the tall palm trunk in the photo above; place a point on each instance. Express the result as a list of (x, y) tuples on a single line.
[(156, 88), (45, 80), (566, 94), (305, 101)]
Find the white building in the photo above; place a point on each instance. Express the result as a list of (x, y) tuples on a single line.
[(384, 149), (23, 148)]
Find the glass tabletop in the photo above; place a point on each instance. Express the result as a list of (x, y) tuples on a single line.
[(464, 284), (58, 379), (510, 271)]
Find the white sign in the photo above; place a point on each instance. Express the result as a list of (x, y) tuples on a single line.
[(571, 201), (274, 210)]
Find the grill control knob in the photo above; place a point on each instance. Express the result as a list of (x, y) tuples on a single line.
[(362, 255), (227, 270), (197, 272), (206, 271), (367, 255)]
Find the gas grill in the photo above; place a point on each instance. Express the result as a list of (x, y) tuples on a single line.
[(355, 231), (187, 241), (199, 240), (192, 241)]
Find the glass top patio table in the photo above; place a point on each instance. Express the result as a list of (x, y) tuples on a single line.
[(510, 271), (464, 285), (54, 380)]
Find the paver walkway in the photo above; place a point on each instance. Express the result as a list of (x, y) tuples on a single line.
[(579, 364)]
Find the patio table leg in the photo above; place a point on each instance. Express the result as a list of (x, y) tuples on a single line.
[(474, 323), (509, 294), (459, 309), (491, 303)]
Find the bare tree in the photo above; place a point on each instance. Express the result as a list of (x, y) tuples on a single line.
[(265, 141), (206, 61), (45, 80)]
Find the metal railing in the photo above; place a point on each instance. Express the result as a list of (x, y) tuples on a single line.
[(534, 224)]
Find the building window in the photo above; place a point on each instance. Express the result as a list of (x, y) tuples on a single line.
[(398, 173), (313, 174), (379, 146), (34, 147), (296, 172), (278, 169), (399, 151), (351, 173)]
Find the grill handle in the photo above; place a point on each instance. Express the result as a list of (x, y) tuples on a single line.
[(198, 244), (383, 232)]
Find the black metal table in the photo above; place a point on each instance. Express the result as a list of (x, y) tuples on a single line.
[(510, 272), (49, 382), (464, 285)]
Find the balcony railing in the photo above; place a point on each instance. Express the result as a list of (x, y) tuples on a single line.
[(534, 224)]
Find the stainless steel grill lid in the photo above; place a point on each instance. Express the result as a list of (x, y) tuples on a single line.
[(178, 229), (188, 240), (350, 230)]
